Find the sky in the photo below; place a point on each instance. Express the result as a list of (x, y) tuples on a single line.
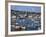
[(26, 8)]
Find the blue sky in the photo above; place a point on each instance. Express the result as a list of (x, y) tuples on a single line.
[(26, 8)]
